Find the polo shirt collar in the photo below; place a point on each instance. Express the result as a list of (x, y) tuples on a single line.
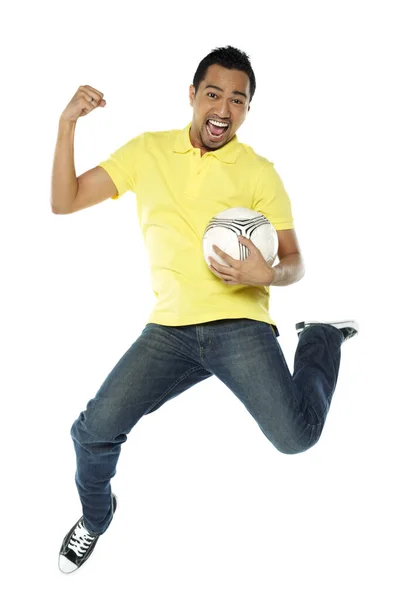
[(228, 153)]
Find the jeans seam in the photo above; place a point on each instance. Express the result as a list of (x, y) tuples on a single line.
[(181, 378)]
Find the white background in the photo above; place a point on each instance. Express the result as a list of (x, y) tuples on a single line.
[(208, 507)]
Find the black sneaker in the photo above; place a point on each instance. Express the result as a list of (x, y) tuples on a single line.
[(78, 545), (348, 328)]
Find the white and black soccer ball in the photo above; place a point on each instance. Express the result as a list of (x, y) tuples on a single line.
[(223, 231)]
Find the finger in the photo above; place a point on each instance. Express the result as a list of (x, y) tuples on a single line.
[(92, 90), (214, 270), (220, 268), (248, 244), (224, 278), (88, 104), (91, 98), (218, 251), (224, 255)]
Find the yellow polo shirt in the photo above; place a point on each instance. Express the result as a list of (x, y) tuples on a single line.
[(177, 192)]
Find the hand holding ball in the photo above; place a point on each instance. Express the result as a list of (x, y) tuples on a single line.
[(248, 263)]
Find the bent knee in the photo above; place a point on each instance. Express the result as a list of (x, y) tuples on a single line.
[(92, 429), (292, 443)]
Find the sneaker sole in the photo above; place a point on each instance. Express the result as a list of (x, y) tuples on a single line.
[(338, 324)]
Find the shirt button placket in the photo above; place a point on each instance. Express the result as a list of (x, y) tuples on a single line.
[(195, 170)]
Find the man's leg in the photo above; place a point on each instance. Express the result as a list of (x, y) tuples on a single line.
[(290, 409), (153, 370)]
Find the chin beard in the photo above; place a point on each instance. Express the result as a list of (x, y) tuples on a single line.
[(206, 146)]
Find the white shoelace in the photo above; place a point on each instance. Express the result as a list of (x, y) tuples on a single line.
[(81, 540)]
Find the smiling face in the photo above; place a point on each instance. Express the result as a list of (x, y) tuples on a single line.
[(224, 97)]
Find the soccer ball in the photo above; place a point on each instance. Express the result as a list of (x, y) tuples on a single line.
[(223, 231)]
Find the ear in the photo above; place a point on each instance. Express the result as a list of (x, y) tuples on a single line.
[(192, 90)]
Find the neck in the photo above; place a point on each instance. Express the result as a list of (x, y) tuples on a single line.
[(195, 141)]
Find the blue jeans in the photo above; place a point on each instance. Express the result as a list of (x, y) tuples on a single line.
[(165, 361)]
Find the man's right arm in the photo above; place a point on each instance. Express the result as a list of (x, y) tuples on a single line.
[(70, 193)]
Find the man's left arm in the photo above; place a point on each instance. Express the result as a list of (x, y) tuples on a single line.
[(291, 266), (272, 200)]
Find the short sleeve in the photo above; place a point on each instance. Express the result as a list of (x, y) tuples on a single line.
[(272, 200), (123, 165)]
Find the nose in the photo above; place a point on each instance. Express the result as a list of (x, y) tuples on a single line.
[(222, 109)]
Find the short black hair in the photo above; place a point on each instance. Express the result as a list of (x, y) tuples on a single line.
[(230, 58)]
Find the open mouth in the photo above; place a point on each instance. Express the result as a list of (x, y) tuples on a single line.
[(216, 129)]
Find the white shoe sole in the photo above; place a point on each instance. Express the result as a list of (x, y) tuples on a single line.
[(338, 324)]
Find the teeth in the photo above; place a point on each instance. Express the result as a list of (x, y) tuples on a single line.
[(218, 124)]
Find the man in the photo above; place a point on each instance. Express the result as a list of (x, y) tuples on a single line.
[(207, 320)]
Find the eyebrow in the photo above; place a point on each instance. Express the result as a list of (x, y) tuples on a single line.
[(221, 90)]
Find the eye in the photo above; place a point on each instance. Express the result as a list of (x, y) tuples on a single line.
[(236, 100), (212, 94)]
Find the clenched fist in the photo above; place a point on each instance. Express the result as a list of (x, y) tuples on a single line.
[(82, 103)]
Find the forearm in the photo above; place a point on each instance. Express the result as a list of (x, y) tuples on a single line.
[(64, 183), (289, 270)]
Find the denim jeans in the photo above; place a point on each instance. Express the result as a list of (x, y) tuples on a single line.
[(165, 361)]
